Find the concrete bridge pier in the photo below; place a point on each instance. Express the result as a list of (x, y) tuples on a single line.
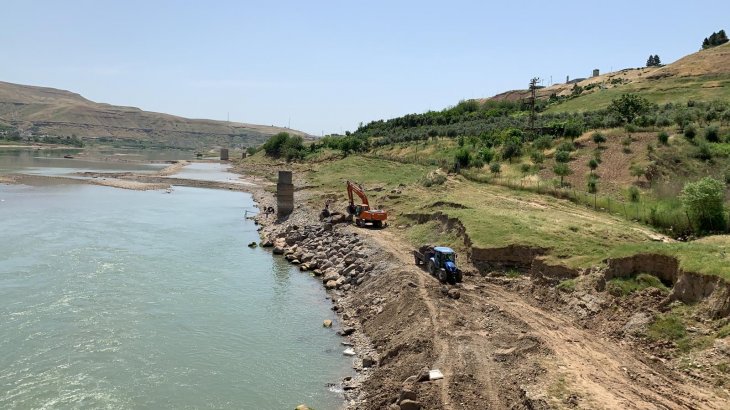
[(284, 194)]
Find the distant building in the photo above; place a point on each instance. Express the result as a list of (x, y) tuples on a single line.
[(596, 72)]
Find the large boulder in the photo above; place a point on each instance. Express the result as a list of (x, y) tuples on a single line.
[(331, 284), (410, 405)]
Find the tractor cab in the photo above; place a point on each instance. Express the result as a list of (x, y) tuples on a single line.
[(445, 258)]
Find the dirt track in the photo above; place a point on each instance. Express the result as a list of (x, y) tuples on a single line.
[(499, 350)]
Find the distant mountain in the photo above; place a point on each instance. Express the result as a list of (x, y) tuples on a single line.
[(49, 111)]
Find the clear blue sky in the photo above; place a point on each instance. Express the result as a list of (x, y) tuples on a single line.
[(328, 65)]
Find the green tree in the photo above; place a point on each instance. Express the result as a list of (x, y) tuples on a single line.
[(562, 170), (562, 156), (592, 184), (663, 138), (495, 168), (690, 132), (463, 157), (486, 154), (598, 138), (704, 202), (712, 134), (629, 106), (637, 170), (592, 164)]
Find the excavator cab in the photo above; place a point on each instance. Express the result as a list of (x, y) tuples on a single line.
[(361, 213)]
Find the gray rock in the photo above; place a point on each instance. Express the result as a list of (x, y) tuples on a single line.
[(637, 324), (410, 405), (423, 375), (368, 361), (330, 284), (278, 251), (454, 294)]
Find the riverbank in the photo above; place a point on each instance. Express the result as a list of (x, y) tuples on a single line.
[(504, 338)]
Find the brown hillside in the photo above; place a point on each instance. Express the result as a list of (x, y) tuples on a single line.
[(49, 111), (711, 62)]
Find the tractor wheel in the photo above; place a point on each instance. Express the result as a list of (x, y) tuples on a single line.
[(358, 222), (458, 277), (378, 224), (431, 268), (416, 259), (442, 276)]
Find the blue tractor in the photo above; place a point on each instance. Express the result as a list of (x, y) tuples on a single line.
[(440, 261)]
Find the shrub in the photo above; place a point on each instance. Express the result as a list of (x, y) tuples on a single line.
[(525, 168), (712, 134), (562, 170), (537, 157), (592, 164), (486, 155), (495, 168), (477, 163), (704, 202), (634, 194), (598, 138), (704, 151), (433, 178), (566, 146), (592, 185), (663, 138), (690, 132), (284, 145), (562, 156), (544, 142), (463, 157)]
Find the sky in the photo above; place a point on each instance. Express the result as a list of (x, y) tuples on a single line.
[(326, 66)]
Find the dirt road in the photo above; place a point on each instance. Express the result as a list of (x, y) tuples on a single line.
[(498, 349)]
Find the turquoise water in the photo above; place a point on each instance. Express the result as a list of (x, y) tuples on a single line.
[(125, 299)]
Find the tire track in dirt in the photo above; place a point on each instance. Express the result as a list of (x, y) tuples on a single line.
[(602, 372)]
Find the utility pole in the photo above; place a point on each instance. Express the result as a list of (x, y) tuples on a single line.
[(533, 98)]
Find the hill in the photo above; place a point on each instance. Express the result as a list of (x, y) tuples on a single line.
[(704, 75), (37, 111)]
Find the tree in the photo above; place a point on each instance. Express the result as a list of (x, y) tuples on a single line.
[(592, 164), (663, 138), (598, 138), (653, 61), (629, 106), (495, 168), (637, 170), (562, 156), (463, 157), (715, 39), (690, 132), (704, 203), (562, 170), (592, 184), (512, 148)]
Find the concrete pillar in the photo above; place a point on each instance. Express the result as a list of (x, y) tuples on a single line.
[(284, 194), (224, 154)]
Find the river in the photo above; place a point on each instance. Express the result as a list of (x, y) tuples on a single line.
[(144, 299)]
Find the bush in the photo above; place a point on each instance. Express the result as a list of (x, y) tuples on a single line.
[(284, 145), (663, 138), (562, 156), (704, 151), (463, 157), (566, 146), (634, 194), (704, 202), (712, 134), (477, 163), (495, 168), (544, 142), (486, 155), (598, 138), (690, 132), (562, 170), (433, 178), (525, 168)]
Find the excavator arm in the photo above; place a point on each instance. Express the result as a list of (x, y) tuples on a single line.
[(352, 187)]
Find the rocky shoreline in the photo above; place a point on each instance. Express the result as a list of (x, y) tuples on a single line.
[(340, 259)]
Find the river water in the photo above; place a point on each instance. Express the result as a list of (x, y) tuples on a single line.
[(113, 298)]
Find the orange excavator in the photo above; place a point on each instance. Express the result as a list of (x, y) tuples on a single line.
[(362, 213)]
